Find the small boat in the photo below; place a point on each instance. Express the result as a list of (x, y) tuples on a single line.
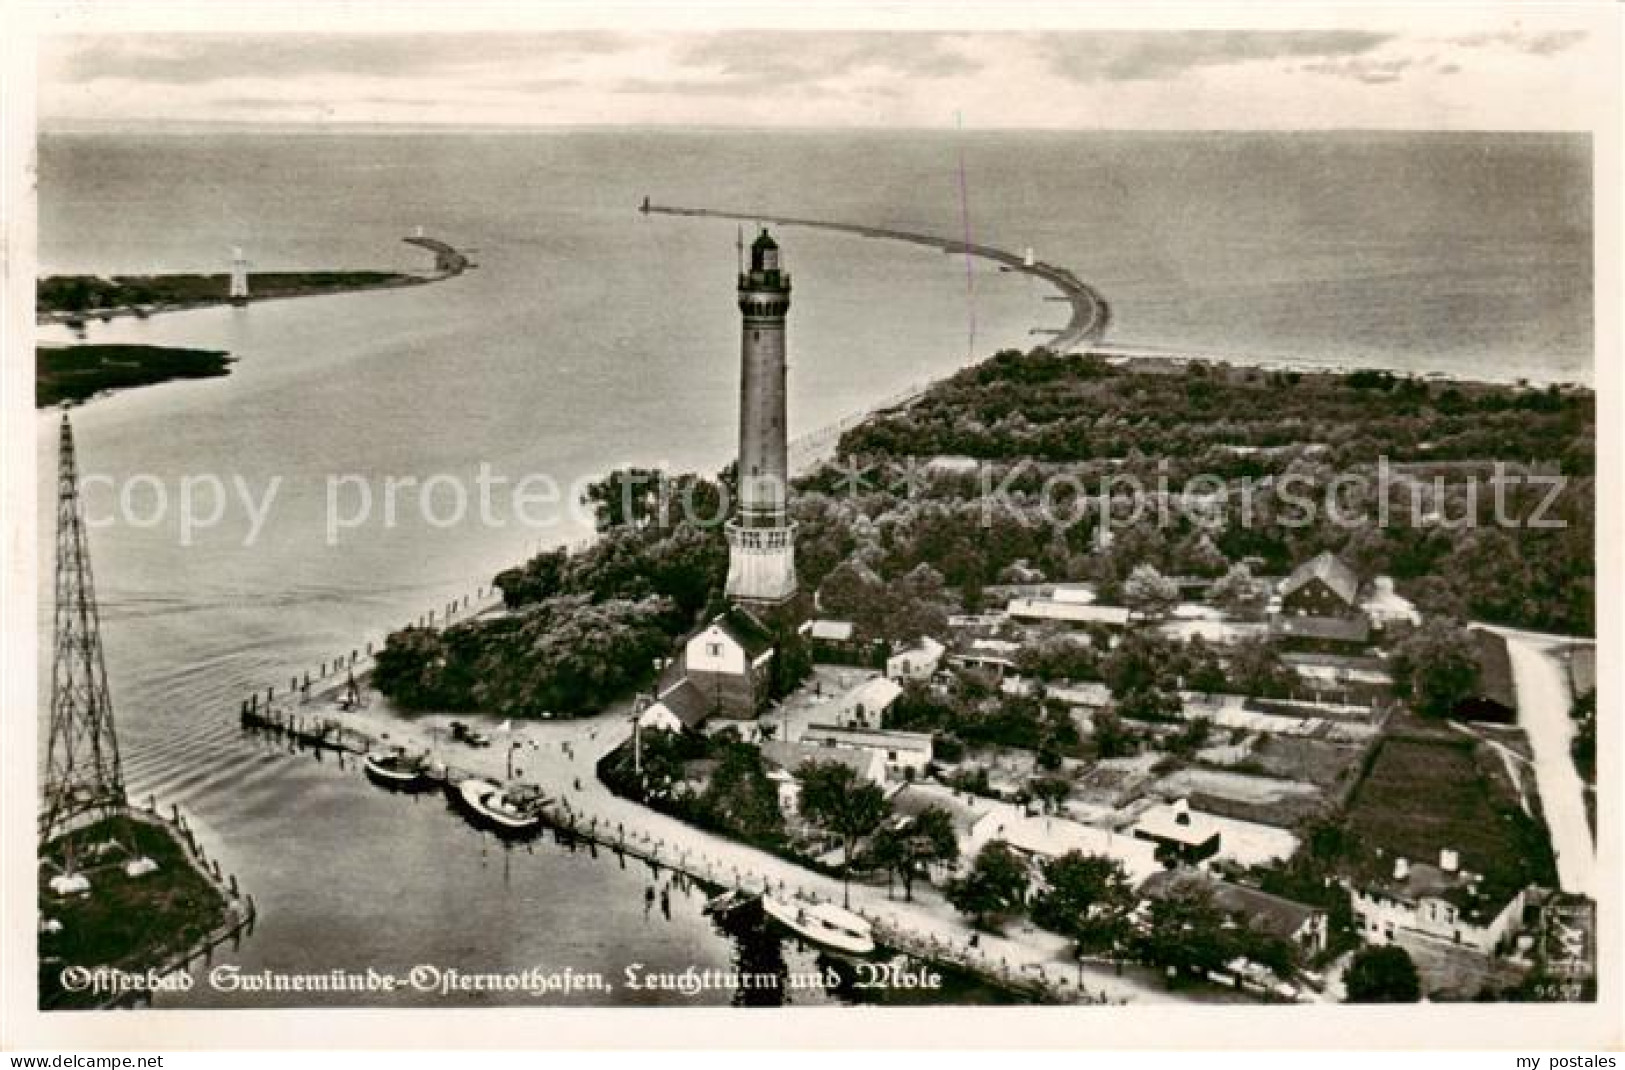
[(398, 770), (730, 902), (510, 811), (822, 923)]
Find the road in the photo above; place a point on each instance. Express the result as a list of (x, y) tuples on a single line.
[(1543, 713)]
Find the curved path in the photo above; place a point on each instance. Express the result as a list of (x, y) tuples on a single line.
[(1090, 313)]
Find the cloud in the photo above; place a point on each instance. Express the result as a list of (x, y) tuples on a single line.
[(1534, 44), (199, 59), (786, 59), (1146, 56)]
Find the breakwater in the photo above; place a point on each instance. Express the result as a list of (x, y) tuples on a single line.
[(75, 300), (1091, 314)]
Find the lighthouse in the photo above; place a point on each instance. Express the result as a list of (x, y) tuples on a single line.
[(239, 276), (761, 537)]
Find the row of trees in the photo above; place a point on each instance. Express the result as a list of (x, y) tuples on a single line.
[(1443, 540)]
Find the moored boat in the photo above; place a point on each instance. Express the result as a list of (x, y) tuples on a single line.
[(822, 923), (510, 811), (398, 770)]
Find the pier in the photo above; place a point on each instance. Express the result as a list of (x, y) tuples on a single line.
[(1091, 314), (147, 295)]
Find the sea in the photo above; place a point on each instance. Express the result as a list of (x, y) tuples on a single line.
[(247, 528)]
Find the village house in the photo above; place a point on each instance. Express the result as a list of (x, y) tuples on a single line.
[(1072, 614), (996, 657), (835, 642), (965, 813), (785, 760), (1180, 836), (1440, 901), (906, 754), (1318, 607), (1494, 696), (919, 661), (680, 707), (865, 706), (1305, 927), (1043, 837), (728, 662), (1321, 587)]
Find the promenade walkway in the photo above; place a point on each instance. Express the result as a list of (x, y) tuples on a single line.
[(561, 757)]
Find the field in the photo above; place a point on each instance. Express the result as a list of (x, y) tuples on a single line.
[(1427, 790)]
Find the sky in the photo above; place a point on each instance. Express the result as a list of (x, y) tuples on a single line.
[(1505, 70)]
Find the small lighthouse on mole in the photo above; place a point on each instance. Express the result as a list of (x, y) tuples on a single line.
[(761, 537)]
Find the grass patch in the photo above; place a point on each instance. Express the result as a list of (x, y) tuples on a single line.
[(76, 373), (1425, 791), (131, 923)]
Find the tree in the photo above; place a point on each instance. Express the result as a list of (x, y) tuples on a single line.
[(996, 884), (740, 797), (540, 577), (1239, 593), (909, 848), (1382, 975), (627, 497), (1256, 670), (1436, 667), (1087, 898), (1184, 933), (1149, 591), (1112, 738), (1051, 791), (834, 798)]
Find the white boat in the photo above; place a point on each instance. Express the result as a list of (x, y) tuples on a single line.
[(822, 923), (509, 810), (399, 770)]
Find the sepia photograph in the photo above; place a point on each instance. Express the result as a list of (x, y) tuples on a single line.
[(1083, 512)]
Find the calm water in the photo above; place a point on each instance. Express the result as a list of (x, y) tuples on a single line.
[(591, 335)]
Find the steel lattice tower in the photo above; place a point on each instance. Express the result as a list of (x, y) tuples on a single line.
[(83, 777)]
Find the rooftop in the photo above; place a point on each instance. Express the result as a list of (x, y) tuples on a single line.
[(1494, 669), (1051, 837), (1071, 612), (745, 629), (791, 756), (1330, 570), (880, 738), (1268, 913)]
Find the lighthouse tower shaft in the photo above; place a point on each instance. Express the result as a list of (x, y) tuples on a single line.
[(761, 538)]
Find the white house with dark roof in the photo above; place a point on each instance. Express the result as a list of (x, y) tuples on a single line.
[(1443, 901), (728, 662), (681, 707)]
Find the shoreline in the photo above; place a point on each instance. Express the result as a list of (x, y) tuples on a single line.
[(449, 263)]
